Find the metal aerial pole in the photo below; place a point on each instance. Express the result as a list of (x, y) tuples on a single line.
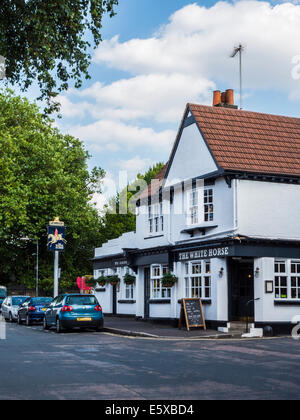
[(239, 50)]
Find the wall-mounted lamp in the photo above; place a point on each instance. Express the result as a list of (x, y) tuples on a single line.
[(221, 272), (257, 272)]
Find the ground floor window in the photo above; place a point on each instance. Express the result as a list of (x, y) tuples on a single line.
[(157, 290), (129, 291), (287, 279), (198, 280)]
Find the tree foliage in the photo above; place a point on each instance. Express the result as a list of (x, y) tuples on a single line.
[(115, 222), (49, 41), (43, 174)]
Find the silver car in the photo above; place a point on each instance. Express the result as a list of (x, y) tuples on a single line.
[(10, 307)]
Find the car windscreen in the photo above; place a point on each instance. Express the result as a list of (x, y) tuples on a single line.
[(2, 294), (41, 301), (17, 301), (82, 300)]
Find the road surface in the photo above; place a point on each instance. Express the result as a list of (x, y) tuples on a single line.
[(35, 364)]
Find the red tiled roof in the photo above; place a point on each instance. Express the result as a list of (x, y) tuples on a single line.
[(154, 187), (250, 141)]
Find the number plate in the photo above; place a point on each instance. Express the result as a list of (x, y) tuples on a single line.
[(84, 319)]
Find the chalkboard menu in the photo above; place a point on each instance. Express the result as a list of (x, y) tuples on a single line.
[(192, 311)]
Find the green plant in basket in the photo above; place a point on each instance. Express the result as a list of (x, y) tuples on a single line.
[(169, 280), (114, 280), (129, 278)]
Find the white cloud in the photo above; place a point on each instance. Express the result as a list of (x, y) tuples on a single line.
[(179, 64), (109, 189), (134, 166), (114, 135), (197, 41), (160, 97)]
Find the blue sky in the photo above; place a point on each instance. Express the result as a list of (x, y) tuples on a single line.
[(159, 55)]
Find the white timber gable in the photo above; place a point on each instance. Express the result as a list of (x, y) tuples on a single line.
[(191, 158)]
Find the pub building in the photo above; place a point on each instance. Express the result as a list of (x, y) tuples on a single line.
[(223, 216)]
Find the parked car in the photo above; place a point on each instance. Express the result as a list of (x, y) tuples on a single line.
[(74, 310), (11, 306), (3, 295), (33, 310)]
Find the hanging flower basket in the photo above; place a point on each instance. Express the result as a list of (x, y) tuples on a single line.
[(114, 280), (90, 281), (169, 280), (102, 281), (129, 279)]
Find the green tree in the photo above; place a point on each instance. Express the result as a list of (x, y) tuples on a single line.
[(50, 41), (43, 174), (114, 223)]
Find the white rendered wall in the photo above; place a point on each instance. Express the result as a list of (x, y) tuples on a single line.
[(224, 214), (265, 310), (105, 299), (269, 210), (192, 158)]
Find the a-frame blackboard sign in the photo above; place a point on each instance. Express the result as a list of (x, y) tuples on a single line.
[(192, 312)]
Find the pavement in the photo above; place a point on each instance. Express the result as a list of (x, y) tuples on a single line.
[(133, 328), (43, 365)]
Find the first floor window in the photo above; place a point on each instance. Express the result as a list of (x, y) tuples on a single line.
[(155, 218), (157, 289), (200, 206), (198, 280), (287, 279)]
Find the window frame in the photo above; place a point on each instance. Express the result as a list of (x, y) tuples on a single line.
[(157, 292), (155, 219), (197, 281), (128, 287), (200, 206), (283, 270)]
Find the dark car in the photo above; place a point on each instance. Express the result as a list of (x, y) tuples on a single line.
[(33, 310), (74, 311)]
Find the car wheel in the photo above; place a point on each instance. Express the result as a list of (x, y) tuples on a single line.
[(45, 325), (59, 328), (19, 321), (10, 318), (28, 323)]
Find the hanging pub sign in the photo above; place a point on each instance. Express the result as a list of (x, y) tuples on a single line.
[(192, 312), (56, 236)]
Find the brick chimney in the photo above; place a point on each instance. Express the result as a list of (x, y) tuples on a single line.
[(224, 99)]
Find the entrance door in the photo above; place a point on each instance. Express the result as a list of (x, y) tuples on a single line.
[(241, 290), (146, 292)]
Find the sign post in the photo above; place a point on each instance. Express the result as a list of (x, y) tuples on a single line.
[(192, 312), (56, 244)]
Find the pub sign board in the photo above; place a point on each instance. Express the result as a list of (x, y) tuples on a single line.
[(56, 238), (211, 252), (192, 311)]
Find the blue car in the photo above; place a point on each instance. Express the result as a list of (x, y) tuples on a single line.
[(74, 311), (33, 310)]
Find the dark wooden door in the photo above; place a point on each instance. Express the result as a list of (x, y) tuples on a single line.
[(146, 292), (242, 290)]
